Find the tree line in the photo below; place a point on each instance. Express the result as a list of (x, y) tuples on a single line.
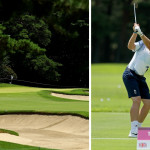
[(45, 41)]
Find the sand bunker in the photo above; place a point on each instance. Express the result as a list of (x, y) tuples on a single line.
[(58, 132), (76, 97)]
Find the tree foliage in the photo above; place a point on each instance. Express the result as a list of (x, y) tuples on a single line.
[(29, 27), (5, 70), (48, 38), (31, 62)]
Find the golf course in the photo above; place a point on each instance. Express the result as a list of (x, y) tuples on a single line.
[(31, 118), (110, 108)]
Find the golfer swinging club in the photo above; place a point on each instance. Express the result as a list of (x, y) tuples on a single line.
[(134, 79)]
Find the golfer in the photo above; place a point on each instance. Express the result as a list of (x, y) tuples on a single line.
[(134, 79)]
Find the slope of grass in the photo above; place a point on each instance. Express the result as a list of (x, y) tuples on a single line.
[(15, 98), (21, 99), (9, 132), (13, 146), (74, 92)]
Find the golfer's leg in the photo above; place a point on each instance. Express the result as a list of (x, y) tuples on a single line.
[(134, 111), (144, 111), (134, 114)]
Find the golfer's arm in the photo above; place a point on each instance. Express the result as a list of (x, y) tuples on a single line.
[(146, 41), (131, 45)]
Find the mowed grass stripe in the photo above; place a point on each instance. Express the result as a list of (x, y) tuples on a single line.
[(108, 93), (110, 131), (114, 144), (39, 100), (110, 125), (7, 88), (110, 108), (114, 139), (21, 99)]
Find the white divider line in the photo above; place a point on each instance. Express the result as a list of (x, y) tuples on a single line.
[(114, 138)]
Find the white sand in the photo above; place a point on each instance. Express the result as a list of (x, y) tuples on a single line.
[(76, 97), (58, 132)]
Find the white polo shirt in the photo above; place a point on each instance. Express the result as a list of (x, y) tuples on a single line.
[(141, 59)]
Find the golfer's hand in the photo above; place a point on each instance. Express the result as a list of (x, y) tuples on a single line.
[(136, 28), (135, 24)]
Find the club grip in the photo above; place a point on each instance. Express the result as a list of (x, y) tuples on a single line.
[(136, 28)]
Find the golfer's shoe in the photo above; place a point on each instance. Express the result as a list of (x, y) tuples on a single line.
[(132, 135)]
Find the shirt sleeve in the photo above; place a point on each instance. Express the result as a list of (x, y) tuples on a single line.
[(138, 45)]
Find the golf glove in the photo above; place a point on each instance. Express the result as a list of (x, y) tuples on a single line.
[(138, 30)]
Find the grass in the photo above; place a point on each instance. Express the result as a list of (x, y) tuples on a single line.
[(22, 99), (108, 91), (112, 125), (114, 144), (9, 132), (84, 92), (13, 146), (107, 85), (28, 99), (110, 108)]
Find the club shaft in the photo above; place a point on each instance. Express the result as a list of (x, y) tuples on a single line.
[(135, 13)]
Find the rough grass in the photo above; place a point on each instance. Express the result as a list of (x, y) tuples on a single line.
[(9, 132), (13, 146)]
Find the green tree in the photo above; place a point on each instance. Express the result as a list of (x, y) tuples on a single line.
[(29, 27), (30, 62), (5, 70), (45, 68), (67, 20)]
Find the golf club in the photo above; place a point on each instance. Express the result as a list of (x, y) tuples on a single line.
[(135, 13), (136, 28)]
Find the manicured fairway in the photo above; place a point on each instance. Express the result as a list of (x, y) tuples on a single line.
[(110, 108), (21, 99), (108, 91), (28, 99), (110, 131), (123, 144)]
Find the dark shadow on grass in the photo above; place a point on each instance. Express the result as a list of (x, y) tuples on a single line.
[(80, 114)]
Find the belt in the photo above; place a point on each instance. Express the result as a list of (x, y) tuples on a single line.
[(134, 72)]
